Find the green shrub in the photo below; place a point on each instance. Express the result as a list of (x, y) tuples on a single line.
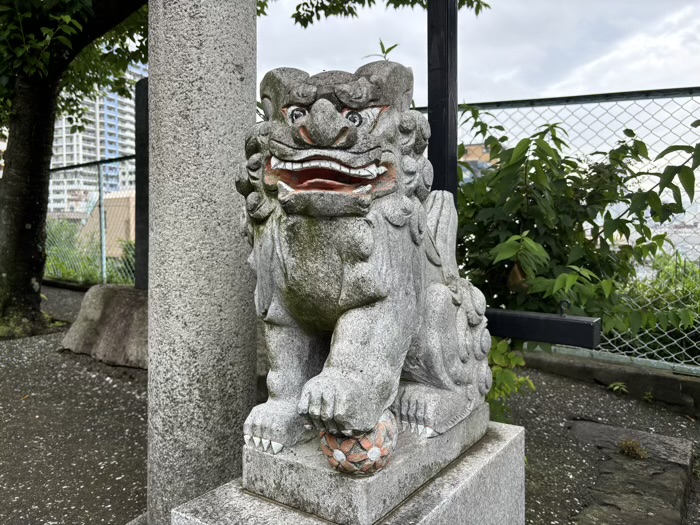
[(541, 227)]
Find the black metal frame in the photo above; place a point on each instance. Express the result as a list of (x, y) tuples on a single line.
[(93, 163), (141, 186), (443, 116), (545, 328), (619, 96), (442, 93)]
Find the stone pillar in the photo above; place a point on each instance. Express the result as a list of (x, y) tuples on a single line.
[(201, 323)]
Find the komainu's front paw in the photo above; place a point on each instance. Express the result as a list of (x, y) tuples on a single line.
[(340, 404), (273, 426)]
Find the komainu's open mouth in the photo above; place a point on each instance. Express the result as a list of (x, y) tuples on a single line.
[(324, 174)]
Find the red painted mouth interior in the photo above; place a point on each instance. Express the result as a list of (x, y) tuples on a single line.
[(318, 179), (321, 179)]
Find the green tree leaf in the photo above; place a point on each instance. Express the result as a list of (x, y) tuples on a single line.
[(671, 149), (687, 178)]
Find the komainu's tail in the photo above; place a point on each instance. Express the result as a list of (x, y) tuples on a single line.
[(442, 233), (446, 372)]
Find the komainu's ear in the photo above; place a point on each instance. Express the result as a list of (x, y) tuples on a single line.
[(393, 80), (279, 87)]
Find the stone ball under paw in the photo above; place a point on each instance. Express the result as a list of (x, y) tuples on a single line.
[(365, 454)]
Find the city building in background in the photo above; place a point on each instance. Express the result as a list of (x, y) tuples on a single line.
[(478, 157), (109, 133)]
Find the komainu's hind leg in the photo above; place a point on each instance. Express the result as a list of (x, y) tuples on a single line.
[(446, 373)]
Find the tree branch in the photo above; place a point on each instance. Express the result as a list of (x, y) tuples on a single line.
[(107, 14)]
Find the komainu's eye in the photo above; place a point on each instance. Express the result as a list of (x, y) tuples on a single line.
[(365, 118), (354, 117), (294, 113)]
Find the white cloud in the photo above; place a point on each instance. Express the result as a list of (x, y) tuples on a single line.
[(667, 55)]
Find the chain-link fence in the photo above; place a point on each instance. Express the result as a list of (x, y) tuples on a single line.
[(91, 222), (595, 123)]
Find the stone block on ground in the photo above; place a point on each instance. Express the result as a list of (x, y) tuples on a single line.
[(484, 486), (112, 326), (646, 490)]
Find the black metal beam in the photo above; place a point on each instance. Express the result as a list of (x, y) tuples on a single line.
[(93, 163), (141, 169), (442, 93), (619, 96), (544, 328)]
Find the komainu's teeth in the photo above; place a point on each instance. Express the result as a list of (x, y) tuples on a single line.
[(284, 189), (369, 172), (276, 447), (256, 440), (421, 430), (363, 190), (265, 443), (246, 438)]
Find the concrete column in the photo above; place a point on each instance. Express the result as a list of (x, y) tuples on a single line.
[(201, 323)]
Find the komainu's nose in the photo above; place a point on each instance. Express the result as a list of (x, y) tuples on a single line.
[(326, 127)]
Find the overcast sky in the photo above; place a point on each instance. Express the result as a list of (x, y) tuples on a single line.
[(518, 49)]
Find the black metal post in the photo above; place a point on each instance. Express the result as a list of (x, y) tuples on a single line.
[(141, 168), (442, 93)]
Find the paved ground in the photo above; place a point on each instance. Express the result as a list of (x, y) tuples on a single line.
[(73, 436), (60, 303), (559, 468)]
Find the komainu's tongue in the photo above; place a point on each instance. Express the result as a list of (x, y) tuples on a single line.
[(324, 184)]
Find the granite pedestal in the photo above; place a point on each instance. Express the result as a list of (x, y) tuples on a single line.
[(483, 486)]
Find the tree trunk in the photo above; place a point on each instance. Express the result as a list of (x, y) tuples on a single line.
[(24, 193)]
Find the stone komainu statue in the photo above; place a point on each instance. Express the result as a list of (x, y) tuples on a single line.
[(357, 281)]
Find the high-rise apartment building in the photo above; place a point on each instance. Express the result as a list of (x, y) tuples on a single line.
[(109, 132)]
